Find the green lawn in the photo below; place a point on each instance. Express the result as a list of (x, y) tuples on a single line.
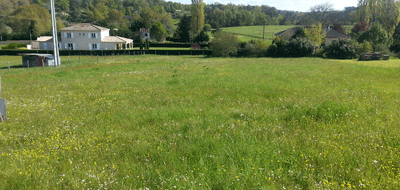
[(188, 122), (247, 33)]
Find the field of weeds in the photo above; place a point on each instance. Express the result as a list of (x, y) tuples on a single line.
[(186, 122)]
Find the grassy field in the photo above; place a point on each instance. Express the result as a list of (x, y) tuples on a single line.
[(164, 122), (247, 33)]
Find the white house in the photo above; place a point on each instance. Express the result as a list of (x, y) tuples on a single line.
[(86, 36)]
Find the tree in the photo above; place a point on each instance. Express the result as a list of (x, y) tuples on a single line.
[(316, 34), (21, 19), (320, 12), (183, 29), (8, 6), (338, 27), (117, 18), (62, 5), (224, 45), (197, 13), (386, 12), (377, 36), (202, 37), (207, 28), (218, 19), (158, 32), (358, 29)]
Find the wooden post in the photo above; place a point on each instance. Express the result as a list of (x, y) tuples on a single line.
[(68, 60), (8, 63), (79, 59)]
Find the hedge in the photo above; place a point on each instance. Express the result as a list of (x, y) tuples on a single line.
[(110, 52), (173, 45)]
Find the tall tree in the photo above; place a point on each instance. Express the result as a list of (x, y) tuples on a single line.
[(197, 12), (320, 12), (316, 33), (158, 32), (183, 29), (386, 12), (20, 19)]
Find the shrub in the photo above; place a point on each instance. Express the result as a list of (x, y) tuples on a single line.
[(14, 46), (246, 50), (343, 49), (365, 47), (277, 49), (202, 37), (207, 27), (396, 46), (224, 45), (377, 36), (300, 47)]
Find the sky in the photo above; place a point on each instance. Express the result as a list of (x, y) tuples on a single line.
[(293, 5)]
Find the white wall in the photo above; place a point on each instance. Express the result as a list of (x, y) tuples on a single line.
[(107, 46), (81, 39)]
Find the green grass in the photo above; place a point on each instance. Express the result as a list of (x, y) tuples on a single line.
[(247, 33), (187, 122)]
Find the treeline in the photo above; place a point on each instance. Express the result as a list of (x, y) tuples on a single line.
[(129, 15)]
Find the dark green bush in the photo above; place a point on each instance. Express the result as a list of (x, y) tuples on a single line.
[(343, 49), (300, 47), (277, 49), (396, 46), (202, 37)]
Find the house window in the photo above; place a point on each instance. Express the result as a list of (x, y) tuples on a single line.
[(94, 46), (70, 46), (93, 35), (69, 35)]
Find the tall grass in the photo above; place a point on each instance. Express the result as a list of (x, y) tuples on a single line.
[(165, 122)]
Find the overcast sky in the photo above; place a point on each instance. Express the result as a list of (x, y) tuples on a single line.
[(294, 5)]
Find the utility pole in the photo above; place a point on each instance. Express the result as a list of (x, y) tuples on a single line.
[(54, 29)]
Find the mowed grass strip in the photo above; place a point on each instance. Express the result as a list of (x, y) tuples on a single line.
[(165, 122)]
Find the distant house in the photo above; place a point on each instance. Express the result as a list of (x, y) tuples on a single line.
[(45, 42), (334, 35), (86, 36), (145, 33)]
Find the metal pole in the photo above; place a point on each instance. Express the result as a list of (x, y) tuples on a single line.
[(28, 63), (54, 30)]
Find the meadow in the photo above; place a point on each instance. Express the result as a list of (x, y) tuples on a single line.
[(247, 33), (188, 122)]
